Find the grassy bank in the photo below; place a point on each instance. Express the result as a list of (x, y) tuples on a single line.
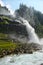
[(6, 47)]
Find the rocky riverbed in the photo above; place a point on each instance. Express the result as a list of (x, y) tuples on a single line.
[(21, 49), (23, 59)]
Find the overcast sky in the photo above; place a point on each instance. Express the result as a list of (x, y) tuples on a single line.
[(14, 4)]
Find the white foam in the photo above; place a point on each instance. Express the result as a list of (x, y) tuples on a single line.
[(31, 32), (24, 59)]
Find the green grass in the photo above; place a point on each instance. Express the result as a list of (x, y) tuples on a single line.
[(2, 35), (7, 45), (5, 17)]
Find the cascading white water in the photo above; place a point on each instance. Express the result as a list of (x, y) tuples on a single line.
[(31, 32)]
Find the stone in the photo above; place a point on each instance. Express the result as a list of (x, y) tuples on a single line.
[(41, 63)]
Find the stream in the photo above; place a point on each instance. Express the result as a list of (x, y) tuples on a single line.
[(24, 59)]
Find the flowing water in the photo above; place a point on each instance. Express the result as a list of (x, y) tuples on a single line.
[(24, 59), (31, 31)]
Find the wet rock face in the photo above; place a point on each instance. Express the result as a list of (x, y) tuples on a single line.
[(42, 64), (27, 48), (13, 28), (22, 49), (35, 46), (4, 11)]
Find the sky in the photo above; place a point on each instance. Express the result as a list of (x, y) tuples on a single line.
[(14, 4)]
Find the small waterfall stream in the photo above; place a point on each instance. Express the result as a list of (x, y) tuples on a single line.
[(25, 59), (31, 31)]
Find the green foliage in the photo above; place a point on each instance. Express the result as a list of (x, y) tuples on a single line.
[(21, 10), (34, 17), (39, 30), (3, 36), (5, 19), (7, 45), (39, 17)]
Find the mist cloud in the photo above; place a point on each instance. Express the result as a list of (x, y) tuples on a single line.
[(1, 3)]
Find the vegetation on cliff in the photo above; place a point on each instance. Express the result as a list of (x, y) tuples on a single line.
[(7, 23), (8, 47), (34, 17)]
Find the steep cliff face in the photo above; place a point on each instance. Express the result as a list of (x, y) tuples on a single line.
[(4, 11), (26, 13), (13, 28), (9, 26)]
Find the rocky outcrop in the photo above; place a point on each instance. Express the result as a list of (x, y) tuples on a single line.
[(13, 28), (42, 64), (27, 48), (4, 10), (21, 49)]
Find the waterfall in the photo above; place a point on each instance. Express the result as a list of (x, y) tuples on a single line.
[(31, 31)]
